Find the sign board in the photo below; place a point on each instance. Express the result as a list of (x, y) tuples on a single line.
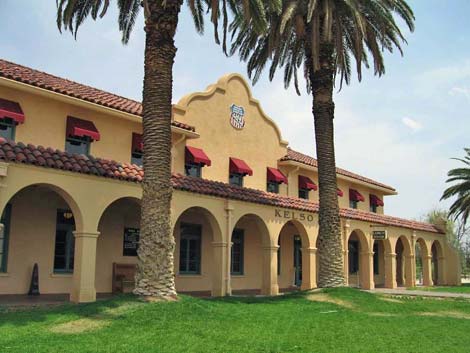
[(131, 241), (379, 234)]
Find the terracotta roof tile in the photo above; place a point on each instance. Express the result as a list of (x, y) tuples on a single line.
[(17, 152), (305, 159), (73, 89)]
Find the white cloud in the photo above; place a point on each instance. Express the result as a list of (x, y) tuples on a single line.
[(412, 124), (460, 91)]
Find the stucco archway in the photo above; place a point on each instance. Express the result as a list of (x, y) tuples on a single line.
[(404, 262), (437, 263), (359, 260), (423, 270), (382, 250)]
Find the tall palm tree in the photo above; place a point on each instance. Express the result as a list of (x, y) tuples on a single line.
[(323, 36), (155, 275), (461, 189)]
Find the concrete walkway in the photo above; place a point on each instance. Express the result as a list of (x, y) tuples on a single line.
[(420, 293)]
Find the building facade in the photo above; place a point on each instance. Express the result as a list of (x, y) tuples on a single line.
[(244, 208)]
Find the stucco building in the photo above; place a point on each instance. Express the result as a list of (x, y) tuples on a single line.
[(244, 210)]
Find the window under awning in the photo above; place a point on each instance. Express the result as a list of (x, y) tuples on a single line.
[(12, 110), (239, 166), (355, 195), (82, 128), (275, 176), (374, 200), (197, 156), (306, 183), (137, 142)]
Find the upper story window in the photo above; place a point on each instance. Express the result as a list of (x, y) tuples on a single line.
[(11, 115), (305, 185), (195, 159), (274, 179), (375, 202), (137, 149), (79, 135), (237, 171), (354, 198)]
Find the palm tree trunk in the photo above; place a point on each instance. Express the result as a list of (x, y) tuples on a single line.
[(330, 248), (155, 274)]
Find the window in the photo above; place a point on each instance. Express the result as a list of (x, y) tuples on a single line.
[(193, 170), (352, 203), (236, 179), (303, 193), (6, 218), (78, 145), (376, 259), (373, 208), (7, 128), (238, 238), (279, 257), (137, 158), (190, 249), (353, 247), (273, 187), (64, 242)]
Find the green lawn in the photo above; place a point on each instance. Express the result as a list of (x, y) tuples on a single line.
[(464, 288), (340, 320)]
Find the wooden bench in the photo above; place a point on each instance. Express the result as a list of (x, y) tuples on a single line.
[(123, 277)]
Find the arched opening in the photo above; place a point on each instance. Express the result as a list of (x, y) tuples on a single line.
[(41, 217), (116, 249), (380, 248), (420, 257), (358, 260), (197, 233), (436, 265), (293, 257), (255, 247), (403, 265)]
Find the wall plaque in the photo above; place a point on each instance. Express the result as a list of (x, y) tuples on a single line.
[(379, 234)]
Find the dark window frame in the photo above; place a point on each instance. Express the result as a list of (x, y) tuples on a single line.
[(272, 186), (236, 179), (137, 158), (373, 208), (353, 256), (376, 258), (353, 204), (184, 253), (8, 124), (6, 221), (189, 167), (238, 240), (67, 226), (78, 141), (304, 193)]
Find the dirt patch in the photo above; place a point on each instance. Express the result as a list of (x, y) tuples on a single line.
[(122, 309), (450, 314), (391, 300), (325, 298), (80, 326), (377, 314)]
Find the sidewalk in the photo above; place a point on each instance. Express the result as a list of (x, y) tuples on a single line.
[(420, 293)]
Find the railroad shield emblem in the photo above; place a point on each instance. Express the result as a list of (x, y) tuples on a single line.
[(237, 116)]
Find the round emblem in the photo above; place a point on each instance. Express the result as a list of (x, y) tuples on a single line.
[(237, 116)]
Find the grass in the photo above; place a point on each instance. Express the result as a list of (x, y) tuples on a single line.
[(464, 288), (336, 320)]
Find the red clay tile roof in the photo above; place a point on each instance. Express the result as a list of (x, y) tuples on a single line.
[(51, 158), (73, 89), (305, 159)]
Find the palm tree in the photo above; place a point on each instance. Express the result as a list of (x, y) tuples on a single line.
[(323, 36), (461, 206), (155, 275)]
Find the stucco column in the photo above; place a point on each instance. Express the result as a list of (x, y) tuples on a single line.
[(390, 270), (218, 268), (270, 286), (84, 267), (366, 270), (441, 271), (228, 249), (427, 272), (409, 273), (309, 268)]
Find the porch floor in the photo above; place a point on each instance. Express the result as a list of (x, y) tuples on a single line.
[(24, 300)]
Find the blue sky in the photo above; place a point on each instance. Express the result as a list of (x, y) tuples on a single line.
[(401, 129)]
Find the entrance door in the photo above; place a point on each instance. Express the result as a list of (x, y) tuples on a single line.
[(297, 261)]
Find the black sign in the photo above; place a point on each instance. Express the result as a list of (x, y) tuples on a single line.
[(131, 241), (379, 234)]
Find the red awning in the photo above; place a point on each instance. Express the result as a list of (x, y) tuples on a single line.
[(197, 156), (306, 183), (239, 166), (12, 110), (374, 200), (137, 142), (81, 128), (275, 175), (355, 195), (340, 192)]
